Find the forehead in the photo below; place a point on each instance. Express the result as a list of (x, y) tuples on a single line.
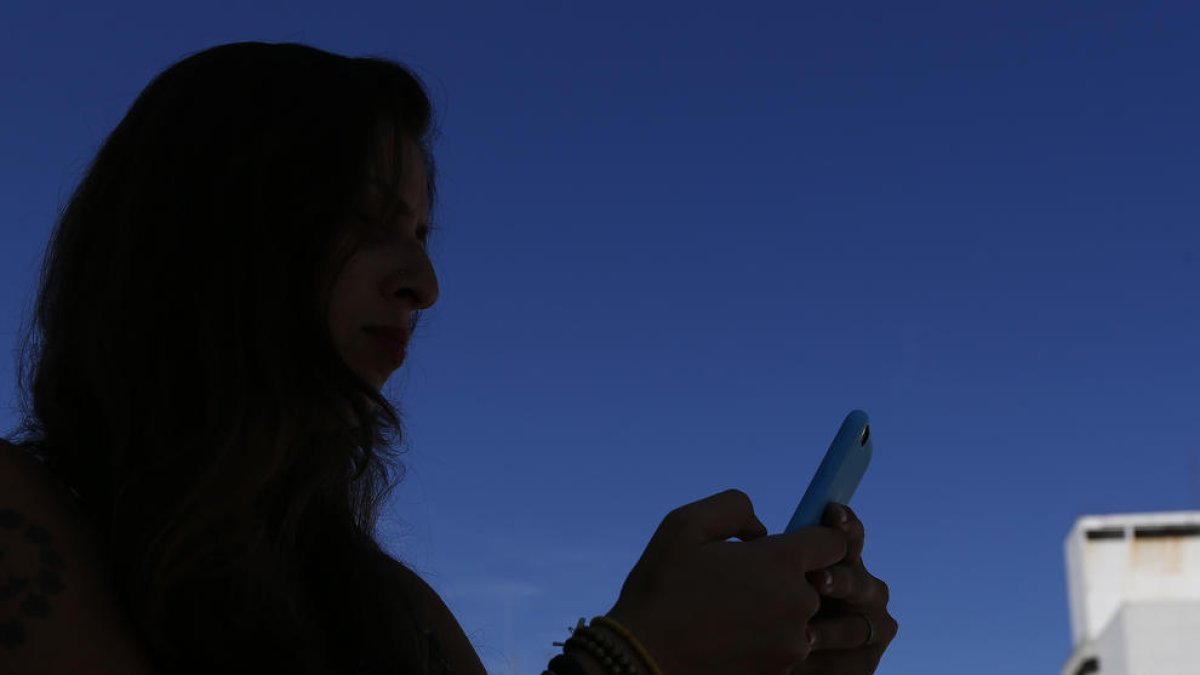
[(397, 169)]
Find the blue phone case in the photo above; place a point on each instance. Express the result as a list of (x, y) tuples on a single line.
[(839, 474)]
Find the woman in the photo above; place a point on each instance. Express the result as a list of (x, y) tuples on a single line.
[(229, 287)]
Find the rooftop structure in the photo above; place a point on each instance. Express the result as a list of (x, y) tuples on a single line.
[(1133, 582)]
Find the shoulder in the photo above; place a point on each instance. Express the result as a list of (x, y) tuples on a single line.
[(434, 613), (58, 610)]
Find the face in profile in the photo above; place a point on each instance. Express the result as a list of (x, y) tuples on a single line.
[(389, 275)]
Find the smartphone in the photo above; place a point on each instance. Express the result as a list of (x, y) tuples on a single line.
[(840, 472)]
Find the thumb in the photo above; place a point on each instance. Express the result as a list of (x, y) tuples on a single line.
[(717, 518)]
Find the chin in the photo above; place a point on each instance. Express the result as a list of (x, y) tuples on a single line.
[(377, 381)]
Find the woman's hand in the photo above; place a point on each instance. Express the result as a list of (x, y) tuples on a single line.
[(703, 605), (853, 626)]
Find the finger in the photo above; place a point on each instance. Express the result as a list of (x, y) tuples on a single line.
[(847, 631), (852, 584), (810, 548), (857, 631), (839, 662), (843, 518), (717, 518)]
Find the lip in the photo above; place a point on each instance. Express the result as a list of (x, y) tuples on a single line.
[(392, 341)]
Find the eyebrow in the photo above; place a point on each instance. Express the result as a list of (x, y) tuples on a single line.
[(397, 204), (394, 200)]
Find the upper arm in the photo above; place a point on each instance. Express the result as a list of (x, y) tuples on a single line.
[(58, 610), (455, 644)]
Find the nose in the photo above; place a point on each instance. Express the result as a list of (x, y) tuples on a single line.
[(420, 285)]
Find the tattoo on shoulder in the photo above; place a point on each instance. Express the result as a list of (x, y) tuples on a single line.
[(30, 575)]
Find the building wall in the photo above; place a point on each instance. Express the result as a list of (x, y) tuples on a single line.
[(1161, 638), (1112, 648), (1133, 583)]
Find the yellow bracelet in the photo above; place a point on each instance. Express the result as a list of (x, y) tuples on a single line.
[(637, 646)]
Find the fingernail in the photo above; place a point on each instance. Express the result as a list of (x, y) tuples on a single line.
[(826, 580), (839, 512)]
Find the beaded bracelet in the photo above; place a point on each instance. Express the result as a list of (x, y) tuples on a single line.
[(637, 646), (603, 650), (563, 664), (600, 648)]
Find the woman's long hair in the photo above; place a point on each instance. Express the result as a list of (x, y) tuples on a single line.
[(180, 375)]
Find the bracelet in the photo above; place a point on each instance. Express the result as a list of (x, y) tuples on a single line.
[(563, 664), (599, 647), (637, 646), (602, 649)]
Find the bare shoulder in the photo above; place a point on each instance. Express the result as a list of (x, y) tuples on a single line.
[(434, 613), (58, 610)]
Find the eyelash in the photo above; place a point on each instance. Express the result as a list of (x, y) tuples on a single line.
[(377, 231)]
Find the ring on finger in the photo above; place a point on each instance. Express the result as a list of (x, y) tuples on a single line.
[(870, 630)]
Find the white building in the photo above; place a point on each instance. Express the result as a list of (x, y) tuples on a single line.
[(1133, 583)]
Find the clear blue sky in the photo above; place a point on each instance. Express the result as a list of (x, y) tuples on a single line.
[(680, 241)]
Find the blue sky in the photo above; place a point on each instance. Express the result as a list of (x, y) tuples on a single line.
[(681, 240)]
